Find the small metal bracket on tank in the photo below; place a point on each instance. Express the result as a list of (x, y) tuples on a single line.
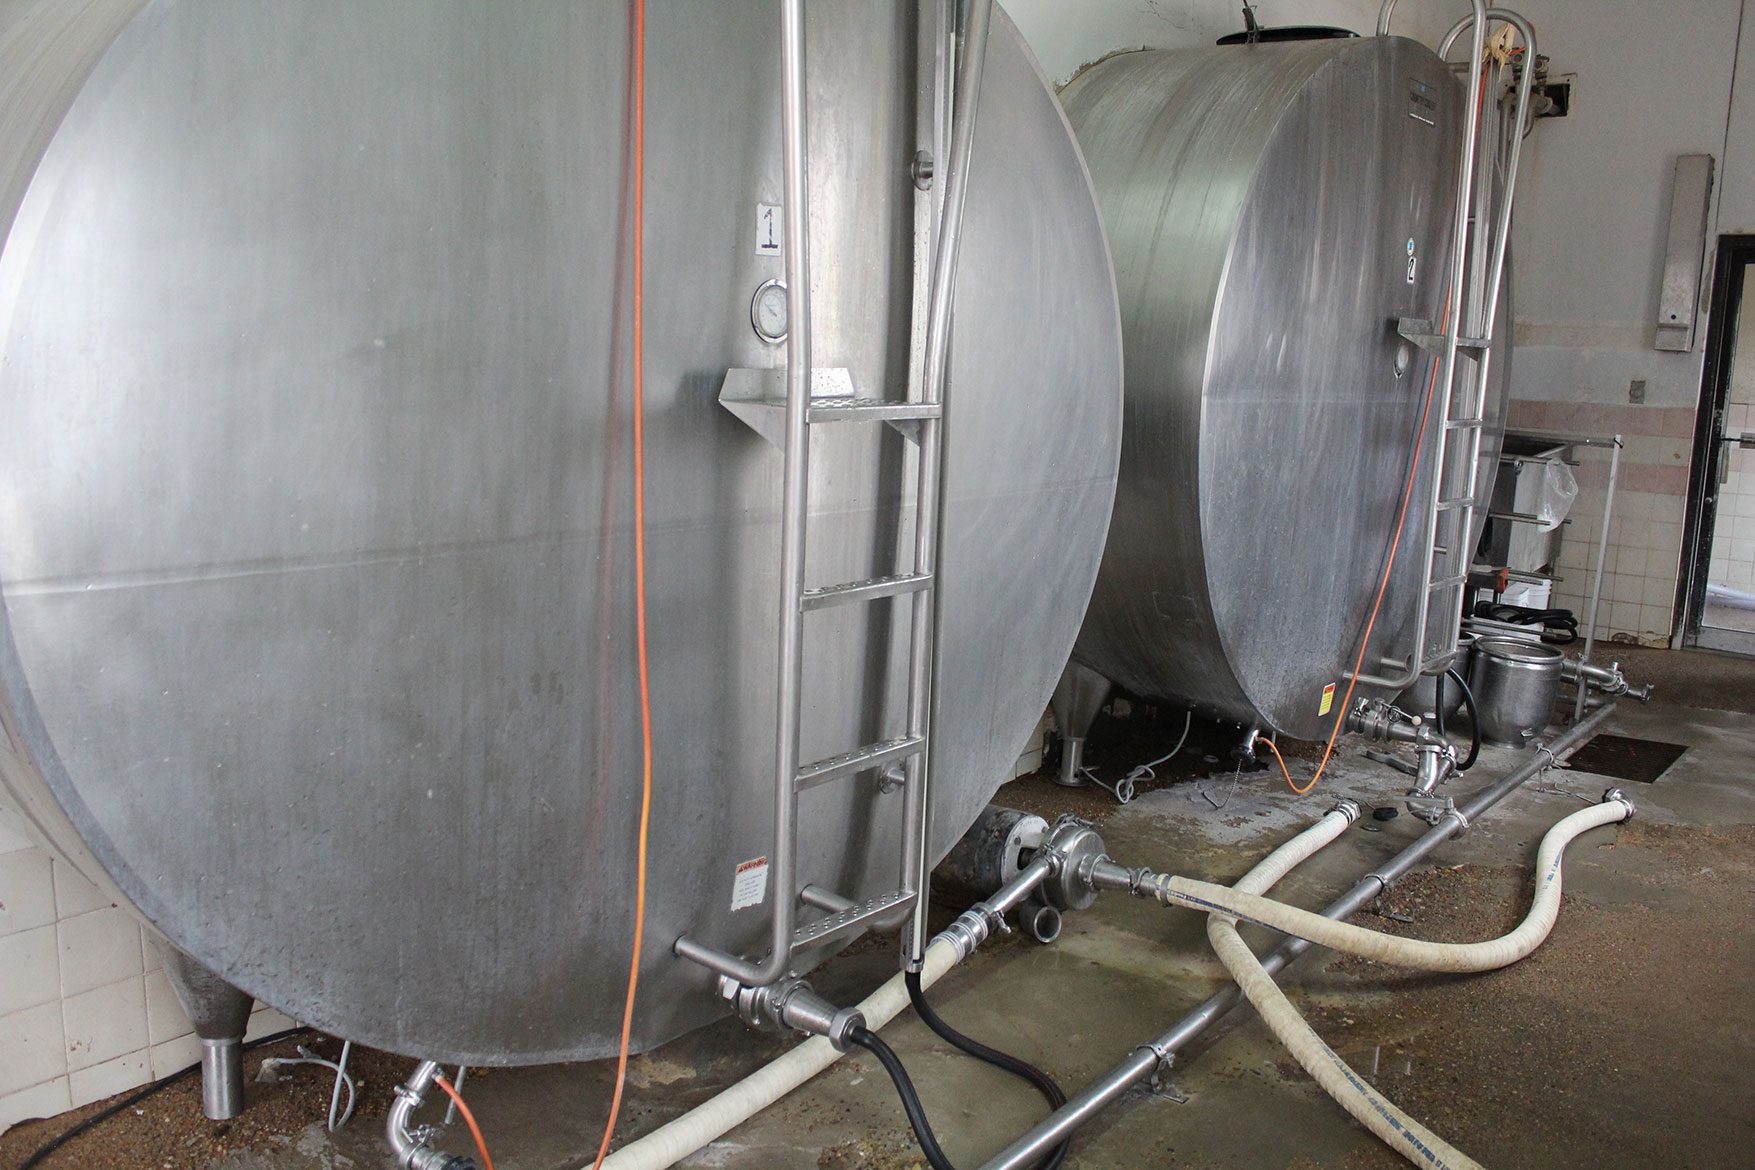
[(758, 397)]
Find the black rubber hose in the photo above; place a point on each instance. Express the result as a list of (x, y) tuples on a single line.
[(1044, 1083), (1474, 720), (929, 1146), (53, 1144), (1438, 701)]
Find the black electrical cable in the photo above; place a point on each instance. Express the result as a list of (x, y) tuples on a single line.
[(1044, 1083), (1559, 626), (1474, 718), (929, 1146), (53, 1144)]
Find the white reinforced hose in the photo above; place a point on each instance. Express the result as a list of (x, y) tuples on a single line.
[(1401, 1132), (1378, 1114), (710, 1120), (1407, 952)]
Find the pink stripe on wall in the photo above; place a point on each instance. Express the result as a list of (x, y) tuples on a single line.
[(1663, 479), (1598, 418)]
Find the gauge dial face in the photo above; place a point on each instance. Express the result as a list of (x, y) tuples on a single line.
[(768, 311)]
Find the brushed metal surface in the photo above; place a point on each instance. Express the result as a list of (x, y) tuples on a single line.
[(315, 545), (1260, 201)]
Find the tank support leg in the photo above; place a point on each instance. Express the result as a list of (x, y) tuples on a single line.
[(1077, 698), (220, 1013)]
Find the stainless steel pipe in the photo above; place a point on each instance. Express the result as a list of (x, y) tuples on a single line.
[(1147, 1058), (928, 538)]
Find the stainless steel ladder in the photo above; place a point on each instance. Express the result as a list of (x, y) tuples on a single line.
[(1463, 347), (785, 415)]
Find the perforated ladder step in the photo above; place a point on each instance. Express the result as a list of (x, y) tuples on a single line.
[(828, 929), (758, 397), (850, 592), (873, 755), (850, 409)]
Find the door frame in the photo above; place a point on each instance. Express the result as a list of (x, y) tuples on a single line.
[(1736, 253)]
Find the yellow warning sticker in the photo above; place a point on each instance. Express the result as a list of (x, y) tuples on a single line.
[(1328, 699)]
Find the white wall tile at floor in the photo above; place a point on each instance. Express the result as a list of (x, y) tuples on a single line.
[(85, 1010)]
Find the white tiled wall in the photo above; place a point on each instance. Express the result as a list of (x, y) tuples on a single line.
[(1639, 575), (1733, 535), (85, 1009)]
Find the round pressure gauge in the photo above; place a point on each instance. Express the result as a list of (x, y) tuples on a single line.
[(768, 310)]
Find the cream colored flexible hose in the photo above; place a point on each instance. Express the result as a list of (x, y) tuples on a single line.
[(1399, 1131), (1407, 952)]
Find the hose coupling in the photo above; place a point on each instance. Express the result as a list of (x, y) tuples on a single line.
[(972, 928), (1347, 807), (1615, 794), (791, 1005)]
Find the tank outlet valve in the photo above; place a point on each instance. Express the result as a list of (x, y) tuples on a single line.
[(414, 1146), (791, 1005)]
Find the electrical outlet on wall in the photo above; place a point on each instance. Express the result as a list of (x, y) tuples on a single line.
[(1636, 391)]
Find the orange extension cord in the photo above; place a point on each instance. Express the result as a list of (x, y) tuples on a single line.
[(638, 66), (457, 1099), (1394, 546)]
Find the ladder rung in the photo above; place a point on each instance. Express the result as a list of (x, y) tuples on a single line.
[(856, 591), (1446, 583), (1464, 424), (869, 410), (835, 925), (874, 755), (1455, 503)]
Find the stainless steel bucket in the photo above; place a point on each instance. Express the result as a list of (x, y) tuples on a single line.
[(1514, 684)]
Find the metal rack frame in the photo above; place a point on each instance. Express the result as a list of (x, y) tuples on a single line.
[(1614, 444)]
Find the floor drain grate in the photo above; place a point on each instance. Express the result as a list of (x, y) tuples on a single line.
[(1622, 757)]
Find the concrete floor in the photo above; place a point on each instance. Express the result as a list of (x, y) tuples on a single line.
[(1624, 1042)]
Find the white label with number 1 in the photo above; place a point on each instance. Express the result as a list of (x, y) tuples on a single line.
[(770, 228)]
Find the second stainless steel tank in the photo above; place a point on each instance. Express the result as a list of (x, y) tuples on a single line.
[(1273, 210)]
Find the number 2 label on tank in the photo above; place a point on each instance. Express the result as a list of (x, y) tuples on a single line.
[(770, 228), (750, 884), (1328, 701)]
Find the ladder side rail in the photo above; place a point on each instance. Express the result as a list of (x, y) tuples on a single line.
[(928, 529), (794, 520), (1500, 238), (1410, 670)]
